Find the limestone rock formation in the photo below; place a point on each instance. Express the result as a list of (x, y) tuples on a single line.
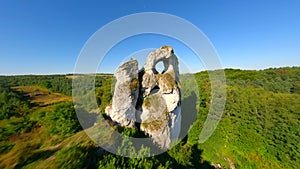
[(160, 94), (125, 95), (161, 91)]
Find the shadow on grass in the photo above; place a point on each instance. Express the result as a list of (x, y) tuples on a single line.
[(41, 155), (188, 114), (191, 158)]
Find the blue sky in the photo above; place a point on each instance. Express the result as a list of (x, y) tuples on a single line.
[(46, 37)]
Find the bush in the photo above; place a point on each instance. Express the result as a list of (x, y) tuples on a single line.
[(63, 120)]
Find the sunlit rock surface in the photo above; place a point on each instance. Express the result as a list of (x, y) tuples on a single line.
[(125, 95), (160, 94)]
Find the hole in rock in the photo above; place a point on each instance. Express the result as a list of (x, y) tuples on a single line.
[(154, 90), (160, 67)]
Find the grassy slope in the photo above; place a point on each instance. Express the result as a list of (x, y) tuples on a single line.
[(36, 144), (262, 136), (36, 148), (41, 96), (261, 123)]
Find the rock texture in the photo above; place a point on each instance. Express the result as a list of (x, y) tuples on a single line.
[(125, 95), (160, 94), (161, 91)]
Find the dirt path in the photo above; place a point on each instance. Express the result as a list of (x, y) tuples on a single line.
[(231, 164)]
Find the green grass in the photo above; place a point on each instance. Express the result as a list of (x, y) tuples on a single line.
[(41, 96)]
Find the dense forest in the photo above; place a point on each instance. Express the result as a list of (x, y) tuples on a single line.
[(260, 126)]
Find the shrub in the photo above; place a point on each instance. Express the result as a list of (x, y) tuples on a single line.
[(62, 120)]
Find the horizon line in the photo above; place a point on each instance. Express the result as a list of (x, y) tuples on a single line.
[(111, 73)]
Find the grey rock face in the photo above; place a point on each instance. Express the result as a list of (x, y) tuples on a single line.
[(160, 92), (161, 107), (170, 73), (125, 95), (155, 119)]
